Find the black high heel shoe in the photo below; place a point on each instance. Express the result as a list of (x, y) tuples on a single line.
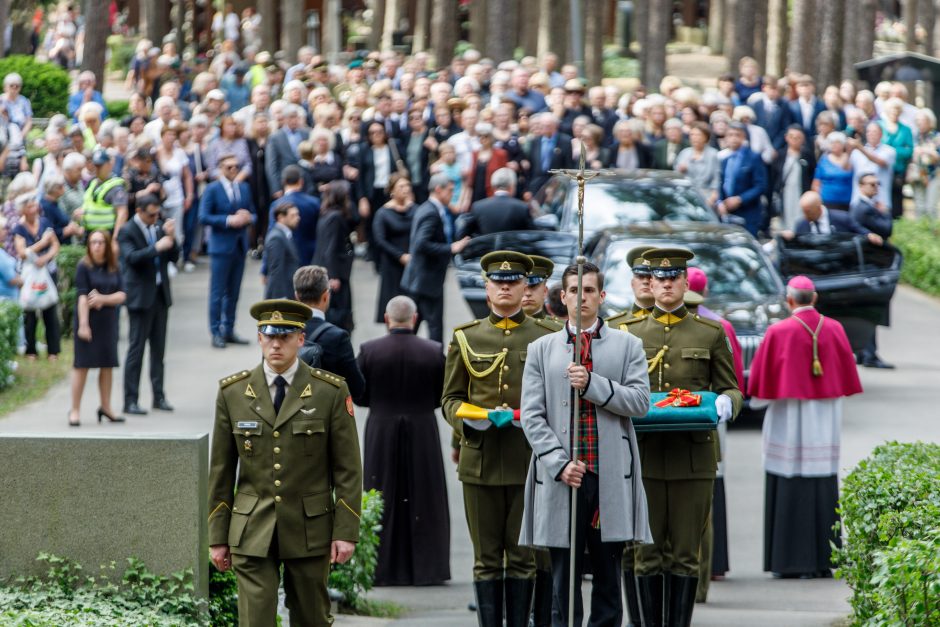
[(103, 414)]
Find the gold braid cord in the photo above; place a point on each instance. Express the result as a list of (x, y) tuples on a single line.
[(466, 352)]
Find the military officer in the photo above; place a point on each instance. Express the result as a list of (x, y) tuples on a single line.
[(687, 351), (536, 290), (640, 285), (285, 481), (482, 390)]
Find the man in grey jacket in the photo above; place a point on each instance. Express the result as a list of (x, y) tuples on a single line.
[(611, 503)]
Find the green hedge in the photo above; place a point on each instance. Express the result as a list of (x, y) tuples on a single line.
[(117, 109), (122, 53), (890, 507), (919, 241), (67, 260), (10, 318), (45, 84)]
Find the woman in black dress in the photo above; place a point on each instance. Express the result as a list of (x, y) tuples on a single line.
[(257, 181), (391, 234), (100, 291), (335, 251)]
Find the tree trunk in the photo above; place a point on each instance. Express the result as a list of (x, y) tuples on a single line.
[(657, 37), (155, 19), (393, 12), (866, 30), (909, 13), (501, 29), (850, 43), (935, 41), (292, 27), (830, 44), (268, 11), (478, 25), (528, 31), (800, 54), (641, 17), (594, 41), (740, 32), (444, 30), (378, 24), (716, 26), (759, 43), (419, 42), (4, 20), (96, 39), (925, 12), (777, 37), (553, 29)]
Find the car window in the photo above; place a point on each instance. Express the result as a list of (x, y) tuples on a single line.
[(608, 205), (819, 255), (551, 198), (734, 269)]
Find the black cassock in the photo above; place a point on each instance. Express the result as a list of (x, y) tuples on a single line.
[(404, 379)]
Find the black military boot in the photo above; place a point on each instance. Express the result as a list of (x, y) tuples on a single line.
[(650, 597), (518, 594), (489, 602), (681, 600), (633, 602), (542, 606)]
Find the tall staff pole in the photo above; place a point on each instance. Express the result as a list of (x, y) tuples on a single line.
[(581, 176)]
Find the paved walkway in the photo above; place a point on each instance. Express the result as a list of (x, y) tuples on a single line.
[(748, 596)]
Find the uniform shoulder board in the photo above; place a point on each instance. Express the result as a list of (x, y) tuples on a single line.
[(613, 317), (229, 380), (633, 320), (708, 322), (551, 325), (329, 377), (467, 325)]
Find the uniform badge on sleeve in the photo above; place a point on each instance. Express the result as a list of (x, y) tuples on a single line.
[(349, 405)]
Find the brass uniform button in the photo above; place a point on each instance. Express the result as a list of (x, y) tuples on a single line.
[(665, 348), (505, 368), (277, 499), (667, 329), (505, 405), (234, 509), (665, 365), (507, 332), (505, 350), (277, 434), (277, 483), (505, 386), (277, 466), (277, 449)]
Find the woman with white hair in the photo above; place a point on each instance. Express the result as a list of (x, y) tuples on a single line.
[(89, 119), (834, 173), (18, 107), (922, 173), (22, 183), (900, 137), (52, 187), (325, 164)]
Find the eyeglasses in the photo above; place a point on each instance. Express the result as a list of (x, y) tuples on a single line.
[(231, 166), (16, 85), (875, 183)]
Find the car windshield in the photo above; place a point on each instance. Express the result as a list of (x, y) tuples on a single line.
[(735, 270), (608, 205)]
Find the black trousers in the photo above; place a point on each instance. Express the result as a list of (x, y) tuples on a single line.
[(146, 326), (50, 318), (432, 311), (606, 604)]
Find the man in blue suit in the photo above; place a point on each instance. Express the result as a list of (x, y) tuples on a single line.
[(807, 107), (226, 207), (743, 181), (773, 113)]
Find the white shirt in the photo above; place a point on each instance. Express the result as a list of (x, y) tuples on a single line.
[(822, 225), (806, 111), (230, 190), (321, 315), (150, 232), (862, 165), (270, 375), (383, 166)]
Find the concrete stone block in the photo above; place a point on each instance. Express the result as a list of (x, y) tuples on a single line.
[(105, 498)]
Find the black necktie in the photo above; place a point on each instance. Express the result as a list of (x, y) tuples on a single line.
[(281, 384)]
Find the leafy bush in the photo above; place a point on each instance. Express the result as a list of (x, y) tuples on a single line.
[(122, 52), (223, 598), (45, 84), (355, 577), (10, 317), (919, 240), (890, 507), (67, 260), (67, 597), (117, 109)]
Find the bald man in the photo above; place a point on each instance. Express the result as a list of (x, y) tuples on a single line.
[(820, 220)]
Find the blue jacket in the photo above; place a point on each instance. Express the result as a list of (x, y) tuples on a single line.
[(750, 182), (305, 235), (75, 102), (776, 122), (214, 208), (839, 222), (797, 114)]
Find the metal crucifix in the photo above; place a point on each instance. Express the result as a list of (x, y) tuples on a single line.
[(582, 176)]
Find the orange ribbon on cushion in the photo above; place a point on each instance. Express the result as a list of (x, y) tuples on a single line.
[(680, 398)]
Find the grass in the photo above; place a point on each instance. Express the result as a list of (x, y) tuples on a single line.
[(375, 608), (621, 67), (34, 379)]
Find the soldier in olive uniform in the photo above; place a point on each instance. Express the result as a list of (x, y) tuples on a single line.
[(640, 285), (536, 291), (285, 482), (687, 351), (482, 390)]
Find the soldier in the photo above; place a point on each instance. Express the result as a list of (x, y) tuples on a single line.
[(536, 290), (289, 430), (482, 389), (687, 351), (640, 284)]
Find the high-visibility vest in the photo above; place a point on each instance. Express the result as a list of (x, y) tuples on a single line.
[(97, 213)]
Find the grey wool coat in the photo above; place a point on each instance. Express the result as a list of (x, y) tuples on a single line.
[(619, 388)]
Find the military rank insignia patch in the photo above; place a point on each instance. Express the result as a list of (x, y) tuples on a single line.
[(349, 405)]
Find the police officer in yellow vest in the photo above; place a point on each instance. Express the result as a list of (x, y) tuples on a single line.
[(285, 480), (640, 285), (690, 352), (481, 399), (105, 204)]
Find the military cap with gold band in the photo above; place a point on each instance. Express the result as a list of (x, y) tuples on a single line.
[(506, 265), (542, 268), (668, 263), (280, 316), (638, 264)]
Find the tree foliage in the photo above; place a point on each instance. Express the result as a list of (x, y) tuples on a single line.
[(45, 84)]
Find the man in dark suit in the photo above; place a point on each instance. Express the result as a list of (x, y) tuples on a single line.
[(308, 207), (146, 250), (773, 112), (280, 254), (550, 150), (603, 116), (282, 147), (807, 107), (743, 180), (431, 247), (226, 206), (818, 219), (796, 160), (502, 212), (312, 288)]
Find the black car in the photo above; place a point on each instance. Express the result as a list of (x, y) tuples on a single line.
[(855, 279), (743, 285), (559, 247), (620, 198)]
